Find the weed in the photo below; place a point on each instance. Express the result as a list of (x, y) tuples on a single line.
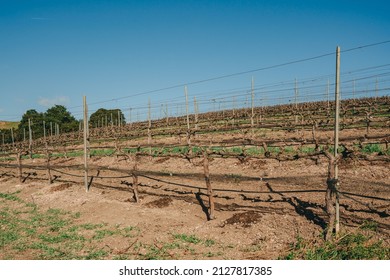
[(50, 234), (209, 242), (130, 231), (352, 246), (8, 196), (372, 148), (76, 215), (369, 225), (91, 226), (98, 254), (187, 238), (255, 151), (100, 234), (103, 152)]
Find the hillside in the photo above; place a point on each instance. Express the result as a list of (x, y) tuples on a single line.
[(8, 125)]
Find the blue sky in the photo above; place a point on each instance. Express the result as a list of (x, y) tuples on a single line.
[(120, 53)]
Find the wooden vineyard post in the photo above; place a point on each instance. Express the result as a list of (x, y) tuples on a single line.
[(47, 154), (12, 137), (119, 120), (166, 115), (19, 159), (48, 166), (233, 111), (296, 101), (331, 194), (149, 127), (30, 138), (188, 118), (336, 138), (208, 185), (196, 113), (368, 121), (44, 132), (135, 177), (252, 105), (130, 123), (327, 98), (86, 136)]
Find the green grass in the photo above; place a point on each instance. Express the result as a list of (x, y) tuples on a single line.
[(181, 244), (352, 246), (187, 238), (30, 233), (103, 152), (372, 148)]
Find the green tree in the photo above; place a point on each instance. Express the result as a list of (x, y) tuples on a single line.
[(58, 114), (103, 117), (36, 124)]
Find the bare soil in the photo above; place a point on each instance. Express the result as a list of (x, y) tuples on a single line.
[(261, 206)]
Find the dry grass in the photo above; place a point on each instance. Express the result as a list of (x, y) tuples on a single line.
[(8, 125)]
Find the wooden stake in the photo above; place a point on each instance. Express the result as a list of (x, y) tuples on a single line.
[(327, 96), (19, 159), (188, 118), (330, 196), (149, 127), (208, 185), (296, 101), (252, 103), (376, 88), (85, 143), (119, 119), (233, 113), (12, 137), (44, 131), (135, 177), (130, 117), (336, 136), (48, 166), (196, 113), (30, 138), (166, 114)]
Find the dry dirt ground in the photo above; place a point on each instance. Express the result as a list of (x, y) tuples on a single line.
[(262, 206)]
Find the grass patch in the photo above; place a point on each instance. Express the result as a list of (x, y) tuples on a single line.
[(187, 238), (352, 246), (182, 244), (30, 233), (372, 148), (102, 153), (8, 196)]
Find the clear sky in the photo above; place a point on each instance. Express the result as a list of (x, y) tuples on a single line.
[(124, 52)]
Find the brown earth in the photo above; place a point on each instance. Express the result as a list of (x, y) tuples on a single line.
[(262, 206)]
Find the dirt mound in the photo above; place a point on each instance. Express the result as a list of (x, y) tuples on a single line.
[(245, 219), (160, 203), (60, 187)]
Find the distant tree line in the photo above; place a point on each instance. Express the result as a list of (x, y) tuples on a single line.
[(56, 120), (104, 118)]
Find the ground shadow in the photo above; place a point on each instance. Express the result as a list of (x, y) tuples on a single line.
[(301, 207)]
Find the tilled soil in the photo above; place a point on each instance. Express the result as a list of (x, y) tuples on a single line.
[(262, 206)]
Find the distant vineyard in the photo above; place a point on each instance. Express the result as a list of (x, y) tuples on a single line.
[(282, 133)]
